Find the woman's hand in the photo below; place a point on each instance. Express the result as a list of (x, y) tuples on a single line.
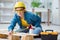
[(21, 15), (10, 35), (10, 32)]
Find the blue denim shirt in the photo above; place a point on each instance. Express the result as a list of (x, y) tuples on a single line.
[(29, 17)]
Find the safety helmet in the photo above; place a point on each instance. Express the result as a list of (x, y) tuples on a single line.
[(19, 4)]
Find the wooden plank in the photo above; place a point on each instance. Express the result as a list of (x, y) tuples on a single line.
[(3, 33), (16, 36), (23, 34), (3, 36), (30, 37), (12, 37)]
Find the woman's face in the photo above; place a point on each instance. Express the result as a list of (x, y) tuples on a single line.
[(19, 11)]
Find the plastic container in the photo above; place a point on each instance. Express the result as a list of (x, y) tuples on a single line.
[(49, 35)]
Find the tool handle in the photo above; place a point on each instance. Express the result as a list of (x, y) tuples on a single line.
[(48, 30)]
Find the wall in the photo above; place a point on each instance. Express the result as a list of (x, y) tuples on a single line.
[(55, 12)]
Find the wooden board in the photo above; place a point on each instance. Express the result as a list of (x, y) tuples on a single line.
[(3, 36)]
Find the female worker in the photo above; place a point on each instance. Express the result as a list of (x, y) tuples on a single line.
[(25, 19)]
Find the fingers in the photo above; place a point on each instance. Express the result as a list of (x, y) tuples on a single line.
[(10, 33)]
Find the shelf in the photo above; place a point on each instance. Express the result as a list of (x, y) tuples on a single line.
[(7, 0), (7, 15), (6, 5), (6, 8), (5, 22), (3, 19), (39, 10)]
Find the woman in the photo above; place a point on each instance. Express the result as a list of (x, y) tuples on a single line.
[(25, 19)]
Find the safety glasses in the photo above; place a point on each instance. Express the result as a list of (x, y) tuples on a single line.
[(19, 9)]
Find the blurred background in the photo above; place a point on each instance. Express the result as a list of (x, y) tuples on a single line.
[(48, 10)]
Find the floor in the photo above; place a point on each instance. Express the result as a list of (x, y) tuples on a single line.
[(44, 27)]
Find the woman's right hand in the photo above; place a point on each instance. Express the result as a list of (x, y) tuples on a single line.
[(10, 33)]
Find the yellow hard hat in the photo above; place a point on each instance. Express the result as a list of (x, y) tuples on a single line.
[(19, 4)]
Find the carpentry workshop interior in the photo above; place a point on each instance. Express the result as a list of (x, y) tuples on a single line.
[(29, 20)]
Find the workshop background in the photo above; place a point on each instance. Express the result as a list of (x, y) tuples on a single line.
[(48, 10)]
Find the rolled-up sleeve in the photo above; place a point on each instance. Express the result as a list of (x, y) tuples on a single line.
[(13, 23)]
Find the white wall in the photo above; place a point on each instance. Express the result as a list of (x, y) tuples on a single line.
[(55, 12)]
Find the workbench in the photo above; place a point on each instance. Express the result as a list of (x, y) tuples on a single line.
[(18, 36)]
